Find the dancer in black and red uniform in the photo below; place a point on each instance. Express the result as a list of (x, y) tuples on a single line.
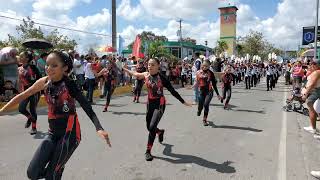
[(28, 75), (139, 82), (64, 130), (227, 79), (110, 75), (155, 83), (206, 82)]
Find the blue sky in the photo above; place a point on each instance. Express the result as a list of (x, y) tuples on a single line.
[(263, 8)]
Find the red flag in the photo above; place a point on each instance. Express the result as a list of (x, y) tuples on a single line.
[(136, 47)]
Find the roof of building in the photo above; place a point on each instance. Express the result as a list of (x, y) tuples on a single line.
[(176, 44), (229, 7)]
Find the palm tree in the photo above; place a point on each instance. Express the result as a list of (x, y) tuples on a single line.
[(221, 46)]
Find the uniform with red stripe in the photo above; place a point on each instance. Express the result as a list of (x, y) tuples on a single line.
[(64, 129)]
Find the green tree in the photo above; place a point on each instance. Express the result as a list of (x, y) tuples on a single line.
[(221, 47), (149, 37), (188, 39), (240, 50), (156, 49), (3, 44), (28, 30), (254, 43)]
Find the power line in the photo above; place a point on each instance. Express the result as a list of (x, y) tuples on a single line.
[(48, 20), (58, 27)]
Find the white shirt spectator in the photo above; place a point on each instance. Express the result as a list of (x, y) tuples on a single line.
[(76, 69), (164, 66), (88, 73)]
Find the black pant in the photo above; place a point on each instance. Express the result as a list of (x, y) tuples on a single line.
[(204, 101), (239, 78), (227, 93), (51, 156), (183, 80), (138, 88), (287, 76), (269, 82), (254, 80), (248, 82), (32, 101), (80, 81), (91, 83), (234, 79), (274, 81), (107, 92), (155, 110)]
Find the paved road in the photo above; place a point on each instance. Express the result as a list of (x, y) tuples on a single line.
[(255, 140)]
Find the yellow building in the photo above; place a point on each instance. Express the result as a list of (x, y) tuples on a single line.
[(228, 27)]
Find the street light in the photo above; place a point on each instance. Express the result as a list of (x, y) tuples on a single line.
[(316, 32)]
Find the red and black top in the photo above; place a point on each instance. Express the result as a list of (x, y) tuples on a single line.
[(28, 75), (227, 79), (61, 97), (207, 81), (110, 76), (141, 69), (155, 85)]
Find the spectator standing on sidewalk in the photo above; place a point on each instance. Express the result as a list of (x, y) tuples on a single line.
[(9, 65), (311, 93), (78, 69)]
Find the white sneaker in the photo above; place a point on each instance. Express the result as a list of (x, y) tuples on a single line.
[(311, 130), (316, 136), (315, 174)]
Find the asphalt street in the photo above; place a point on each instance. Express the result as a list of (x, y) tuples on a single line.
[(255, 140)]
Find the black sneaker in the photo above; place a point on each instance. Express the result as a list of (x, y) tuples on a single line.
[(198, 113), (28, 123), (33, 131), (148, 156), (221, 100), (161, 136), (205, 123)]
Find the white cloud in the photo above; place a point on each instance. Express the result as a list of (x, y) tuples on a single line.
[(203, 31), (56, 12), (190, 9), (93, 22), (284, 29), (128, 12)]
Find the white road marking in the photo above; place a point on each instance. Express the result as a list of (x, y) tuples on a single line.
[(282, 160)]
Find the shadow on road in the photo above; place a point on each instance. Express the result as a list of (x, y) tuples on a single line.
[(111, 105), (128, 113), (267, 100), (188, 159), (249, 111), (234, 127), (40, 135), (222, 105)]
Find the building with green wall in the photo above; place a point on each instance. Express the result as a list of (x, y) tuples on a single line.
[(180, 49)]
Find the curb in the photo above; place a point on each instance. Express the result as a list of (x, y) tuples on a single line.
[(42, 102)]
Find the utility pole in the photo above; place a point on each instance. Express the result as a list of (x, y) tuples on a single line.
[(207, 53), (316, 32), (114, 24), (180, 29), (180, 36)]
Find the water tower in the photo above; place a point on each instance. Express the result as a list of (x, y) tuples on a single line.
[(228, 27)]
